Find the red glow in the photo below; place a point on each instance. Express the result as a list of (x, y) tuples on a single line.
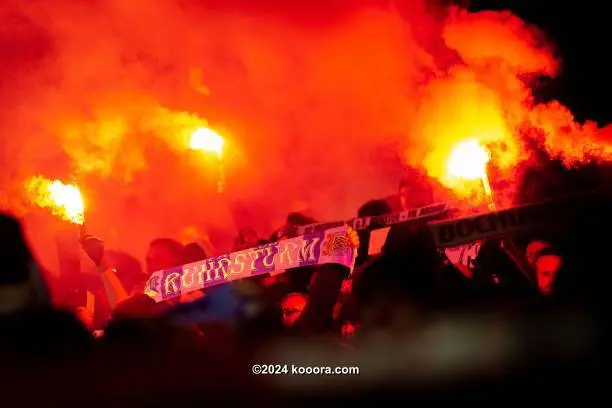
[(317, 98)]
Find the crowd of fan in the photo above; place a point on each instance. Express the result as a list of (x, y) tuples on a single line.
[(415, 325)]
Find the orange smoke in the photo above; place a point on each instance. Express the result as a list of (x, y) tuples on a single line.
[(324, 104), (64, 200), (486, 99)]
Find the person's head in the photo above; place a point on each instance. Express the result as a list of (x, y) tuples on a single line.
[(415, 191), (547, 264), (193, 252), (534, 248), (163, 253), (294, 220), (374, 208), (299, 219), (128, 268), (292, 306)]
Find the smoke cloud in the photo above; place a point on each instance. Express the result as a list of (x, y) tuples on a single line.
[(322, 104)]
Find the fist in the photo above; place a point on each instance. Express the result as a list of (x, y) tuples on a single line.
[(94, 248)]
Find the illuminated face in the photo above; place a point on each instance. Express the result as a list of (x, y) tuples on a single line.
[(533, 249), (547, 267), (347, 286), (292, 307), (160, 257)]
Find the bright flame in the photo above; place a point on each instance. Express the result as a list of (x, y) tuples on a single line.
[(206, 139), (64, 200), (468, 160)]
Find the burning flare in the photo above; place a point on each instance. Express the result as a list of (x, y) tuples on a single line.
[(64, 200), (207, 140), (468, 160)]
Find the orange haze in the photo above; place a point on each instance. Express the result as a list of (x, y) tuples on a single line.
[(320, 103)]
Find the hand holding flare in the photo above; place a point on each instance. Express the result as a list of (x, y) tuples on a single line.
[(93, 247)]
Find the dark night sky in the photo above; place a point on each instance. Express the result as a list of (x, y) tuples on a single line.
[(581, 31)]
